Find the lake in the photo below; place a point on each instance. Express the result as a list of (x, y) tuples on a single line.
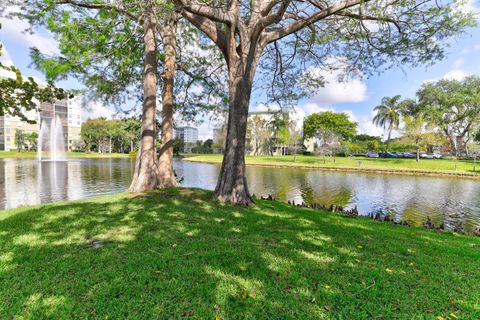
[(452, 201)]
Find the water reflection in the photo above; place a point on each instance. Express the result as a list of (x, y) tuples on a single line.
[(454, 202)]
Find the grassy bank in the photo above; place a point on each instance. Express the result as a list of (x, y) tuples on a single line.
[(178, 254), (33, 154), (435, 166)]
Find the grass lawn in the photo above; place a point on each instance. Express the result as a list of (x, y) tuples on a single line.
[(33, 154), (432, 165), (177, 254)]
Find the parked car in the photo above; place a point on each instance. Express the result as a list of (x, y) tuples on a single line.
[(409, 155), (430, 156), (371, 154), (388, 155)]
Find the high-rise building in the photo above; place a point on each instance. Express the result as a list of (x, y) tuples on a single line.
[(68, 110), (187, 134)]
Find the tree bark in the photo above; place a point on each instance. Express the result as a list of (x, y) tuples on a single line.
[(166, 173), (388, 139), (145, 176), (232, 183)]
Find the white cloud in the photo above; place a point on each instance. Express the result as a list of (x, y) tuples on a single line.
[(311, 107), (365, 124), (337, 88), (93, 109), (455, 74), (14, 29)]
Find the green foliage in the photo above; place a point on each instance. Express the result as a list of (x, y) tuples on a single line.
[(104, 135), (18, 95), (453, 106), (178, 146), (323, 123)]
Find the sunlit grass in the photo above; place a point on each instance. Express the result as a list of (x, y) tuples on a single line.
[(178, 254), (431, 165)]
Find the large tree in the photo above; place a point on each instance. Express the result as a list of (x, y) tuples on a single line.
[(452, 106), (105, 44), (368, 34)]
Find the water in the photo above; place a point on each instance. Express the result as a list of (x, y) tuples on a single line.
[(51, 138), (452, 201)]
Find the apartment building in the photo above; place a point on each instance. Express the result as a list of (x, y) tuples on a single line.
[(68, 110)]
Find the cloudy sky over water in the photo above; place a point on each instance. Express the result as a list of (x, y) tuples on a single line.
[(357, 97)]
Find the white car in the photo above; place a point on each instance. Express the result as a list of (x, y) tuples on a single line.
[(371, 154), (430, 156)]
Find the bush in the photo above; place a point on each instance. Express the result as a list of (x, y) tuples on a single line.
[(133, 154)]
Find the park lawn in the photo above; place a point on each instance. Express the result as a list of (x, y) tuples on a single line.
[(33, 154), (431, 165), (177, 254)]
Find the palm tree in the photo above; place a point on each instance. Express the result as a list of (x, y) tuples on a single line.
[(388, 115)]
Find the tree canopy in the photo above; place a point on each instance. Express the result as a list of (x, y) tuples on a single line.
[(320, 124), (453, 106)]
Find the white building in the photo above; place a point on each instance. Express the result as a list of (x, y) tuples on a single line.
[(187, 134), (69, 111)]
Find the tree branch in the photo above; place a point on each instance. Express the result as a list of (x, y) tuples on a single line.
[(213, 13), (278, 33), (98, 6), (208, 27)]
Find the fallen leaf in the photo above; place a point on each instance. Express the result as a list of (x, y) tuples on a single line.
[(313, 300), (328, 308), (358, 260), (174, 245), (410, 251), (252, 295), (389, 270), (327, 286), (359, 247), (363, 282), (424, 278), (243, 268), (453, 315), (410, 264), (441, 318), (430, 310), (244, 294), (217, 317)]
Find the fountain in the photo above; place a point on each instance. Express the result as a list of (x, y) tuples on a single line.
[(51, 139)]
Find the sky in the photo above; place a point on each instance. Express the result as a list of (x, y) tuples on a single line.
[(357, 97)]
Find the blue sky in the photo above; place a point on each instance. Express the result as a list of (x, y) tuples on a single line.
[(357, 97)]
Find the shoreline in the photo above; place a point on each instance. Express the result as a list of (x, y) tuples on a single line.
[(474, 176)]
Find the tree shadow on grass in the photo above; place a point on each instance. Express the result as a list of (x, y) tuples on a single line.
[(178, 254)]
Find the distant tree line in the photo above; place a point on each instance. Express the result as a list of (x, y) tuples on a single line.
[(103, 135)]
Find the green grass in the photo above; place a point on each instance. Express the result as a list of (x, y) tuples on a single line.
[(430, 165), (33, 154), (177, 254)]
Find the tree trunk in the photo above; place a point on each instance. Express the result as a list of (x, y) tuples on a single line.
[(388, 139), (166, 174), (145, 176), (232, 182)]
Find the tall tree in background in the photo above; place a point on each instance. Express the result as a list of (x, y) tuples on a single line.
[(388, 115), (417, 130), (370, 33), (453, 107), (329, 128)]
